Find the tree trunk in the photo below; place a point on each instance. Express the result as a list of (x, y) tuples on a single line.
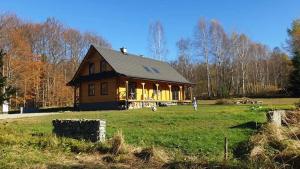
[(208, 75)]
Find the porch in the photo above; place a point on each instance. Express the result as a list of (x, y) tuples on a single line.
[(139, 93)]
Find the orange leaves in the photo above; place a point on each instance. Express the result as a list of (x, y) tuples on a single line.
[(41, 58)]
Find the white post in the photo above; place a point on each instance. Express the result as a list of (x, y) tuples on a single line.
[(157, 90), (102, 130), (5, 107), (275, 116), (21, 110), (143, 93), (191, 93), (170, 92), (180, 95), (126, 88)]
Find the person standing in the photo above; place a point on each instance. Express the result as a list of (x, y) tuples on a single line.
[(195, 103)]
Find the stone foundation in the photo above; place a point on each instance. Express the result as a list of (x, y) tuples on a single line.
[(92, 130)]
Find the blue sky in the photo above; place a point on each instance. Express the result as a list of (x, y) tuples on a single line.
[(125, 23)]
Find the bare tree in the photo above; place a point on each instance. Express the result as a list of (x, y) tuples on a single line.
[(157, 42), (218, 49), (92, 38), (74, 47), (201, 43), (184, 62)]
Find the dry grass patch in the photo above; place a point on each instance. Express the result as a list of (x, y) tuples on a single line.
[(152, 154), (118, 145), (292, 117), (273, 147)]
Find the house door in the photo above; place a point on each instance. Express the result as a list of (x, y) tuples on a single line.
[(132, 90), (175, 93)]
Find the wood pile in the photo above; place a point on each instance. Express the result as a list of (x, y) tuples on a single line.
[(247, 101)]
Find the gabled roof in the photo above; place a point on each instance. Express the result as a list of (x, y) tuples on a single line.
[(134, 66)]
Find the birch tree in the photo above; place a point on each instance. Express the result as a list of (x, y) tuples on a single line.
[(218, 49), (184, 62), (157, 41), (202, 43)]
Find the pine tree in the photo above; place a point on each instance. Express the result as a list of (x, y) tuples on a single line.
[(294, 42), (7, 90), (295, 75)]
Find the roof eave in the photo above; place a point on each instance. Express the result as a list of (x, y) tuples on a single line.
[(166, 81)]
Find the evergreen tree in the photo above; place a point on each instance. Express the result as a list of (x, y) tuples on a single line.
[(294, 42), (7, 90), (295, 75)]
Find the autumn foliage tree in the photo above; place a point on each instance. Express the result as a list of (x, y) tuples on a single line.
[(41, 58)]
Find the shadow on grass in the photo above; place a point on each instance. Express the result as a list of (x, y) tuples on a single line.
[(241, 150), (249, 125), (76, 166)]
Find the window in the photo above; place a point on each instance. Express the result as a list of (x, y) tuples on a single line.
[(91, 68), (103, 66), (91, 90), (175, 93), (104, 88), (147, 69), (155, 70)]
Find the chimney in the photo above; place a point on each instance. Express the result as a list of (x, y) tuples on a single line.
[(123, 50)]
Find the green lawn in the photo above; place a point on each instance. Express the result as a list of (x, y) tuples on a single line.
[(176, 128)]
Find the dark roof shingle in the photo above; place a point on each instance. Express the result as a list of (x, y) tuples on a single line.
[(140, 67)]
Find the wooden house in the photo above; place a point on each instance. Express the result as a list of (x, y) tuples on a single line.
[(109, 79)]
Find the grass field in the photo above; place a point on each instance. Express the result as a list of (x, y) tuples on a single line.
[(174, 129)]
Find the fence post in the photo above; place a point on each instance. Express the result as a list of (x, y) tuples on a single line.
[(225, 149)]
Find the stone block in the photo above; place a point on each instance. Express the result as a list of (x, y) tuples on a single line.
[(87, 129)]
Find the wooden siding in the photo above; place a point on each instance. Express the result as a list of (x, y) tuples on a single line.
[(116, 86), (111, 96), (93, 58), (83, 96)]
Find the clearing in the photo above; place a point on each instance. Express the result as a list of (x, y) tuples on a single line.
[(28, 142)]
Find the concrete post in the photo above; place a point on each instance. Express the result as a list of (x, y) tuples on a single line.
[(275, 116), (5, 107)]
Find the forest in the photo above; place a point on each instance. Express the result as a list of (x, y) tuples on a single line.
[(231, 65), (42, 57)]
